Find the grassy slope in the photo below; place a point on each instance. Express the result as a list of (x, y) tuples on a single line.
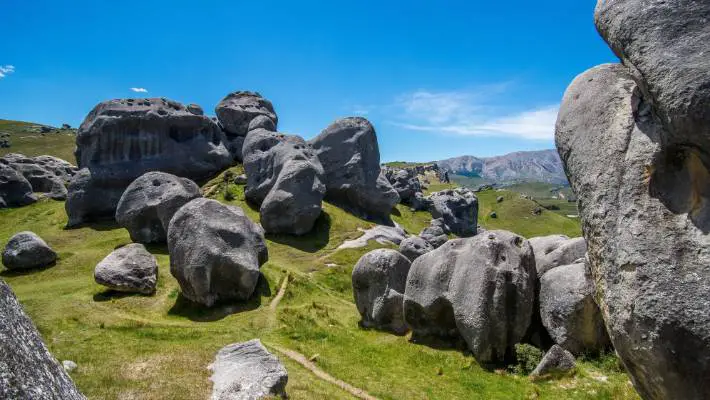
[(26, 140), (159, 347)]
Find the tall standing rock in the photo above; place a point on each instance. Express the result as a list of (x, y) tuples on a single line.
[(237, 111), (121, 140), (27, 369), (634, 141), (350, 156)]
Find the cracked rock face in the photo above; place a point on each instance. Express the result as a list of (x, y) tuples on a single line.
[(121, 140), (15, 190), (634, 141), (46, 174), (458, 208)]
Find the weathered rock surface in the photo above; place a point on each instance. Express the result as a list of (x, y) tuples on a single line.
[(285, 178), (414, 246), (236, 111), (130, 268), (435, 233), (26, 250), (556, 361), (247, 371), (27, 369), (566, 252), (215, 252), (568, 310), (419, 203), (542, 245), (379, 278), (642, 188), (405, 182), (15, 190), (458, 208), (46, 174), (121, 140), (150, 201), (350, 156), (481, 289), (381, 234)]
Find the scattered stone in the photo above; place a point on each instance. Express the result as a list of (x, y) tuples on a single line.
[(15, 190), (26, 250), (27, 369), (458, 208), (493, 214), (240, 179), (537, 211), (414, 246), (130, 269), (208, 239), (247, 371), (150, 201), (379, 278), (69, 366), (381, 234), (557, 360), (499, 199)]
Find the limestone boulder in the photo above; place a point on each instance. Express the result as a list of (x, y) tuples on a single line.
[(26, 250), (458, 208), (130, 269), (15, 190), (414, 246), (237, 110), (557, 360)]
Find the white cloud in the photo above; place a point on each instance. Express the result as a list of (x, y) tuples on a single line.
[(466, 113), (5, 70), (139, 90)]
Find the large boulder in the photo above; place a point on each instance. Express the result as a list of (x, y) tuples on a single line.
[(481, 289), (414, 246), (543, 245), (247, 371), (284, 178), (458, 208), (15, 190), (350, 156), (150, 201), (379, 278), (121, 140), (236, 111), (46, 174), (215, 252), (436, 233), (566, 252), (405, 182), (568, 310), (130, 269), (26, 250), (557, 360), (642, 187), (27, 369)]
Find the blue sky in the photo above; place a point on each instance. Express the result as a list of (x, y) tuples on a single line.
[(437, 78)]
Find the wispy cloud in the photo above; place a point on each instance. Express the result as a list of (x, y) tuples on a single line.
[(6, 70), (139, 90), (470, 113)]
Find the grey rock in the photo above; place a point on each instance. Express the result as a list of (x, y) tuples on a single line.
[(378, 279), (121, 140), (568, 310), (557, 360), (240, 179), (458, 208), (237, 110), (493, 214), (643, 207), (26, 250), (246, 371), (69, 366), (150, 201), (406, 184), (208, 239), (435, 235), (566, 252), (543, 245), (380, 233), (46, 174), (195, 109), (414, 246), (481, 289), (27, 369), (130, 269), (350, 156), (284, 178), (499, 199), (15, 190), (419, 202)]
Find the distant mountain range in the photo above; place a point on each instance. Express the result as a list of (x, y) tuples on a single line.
[(522, 166)]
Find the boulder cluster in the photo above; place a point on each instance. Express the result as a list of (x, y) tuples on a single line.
[(21, 177), (634, 140)]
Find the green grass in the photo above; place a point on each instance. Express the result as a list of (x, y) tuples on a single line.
[(25, 139), (159, 347)]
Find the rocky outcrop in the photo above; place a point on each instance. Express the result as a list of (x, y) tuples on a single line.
[(436, 233), (406, 183), (237, 113), (379, 278), (215, 252), (15, 190), (130, 269), (121, 140), (565, 252), (568, 310), (46, 174), (350, 156), (247, 371), (285, 179), (414, 246), (481, 289), (150, 201), (557, 360), (27, 369), (634, 142), (26, 250), (458, 208)]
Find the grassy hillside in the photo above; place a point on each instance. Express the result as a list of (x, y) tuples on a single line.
[(159, 347), (26, 139)]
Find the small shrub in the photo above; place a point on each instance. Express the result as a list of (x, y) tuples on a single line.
[(528, 357)]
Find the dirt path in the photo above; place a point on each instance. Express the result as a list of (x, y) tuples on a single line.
[(301, 359), (280, 294)]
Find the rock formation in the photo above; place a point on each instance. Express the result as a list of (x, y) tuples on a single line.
[(46, 174), (414, 246), (130, 268), (458, 208), (26, 250), (379, 278), (405, 182), (215, 252), (236, 113), (150, 201), (121, 140), (15, 190), (564, 253), (557, 360), (633, 138)]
